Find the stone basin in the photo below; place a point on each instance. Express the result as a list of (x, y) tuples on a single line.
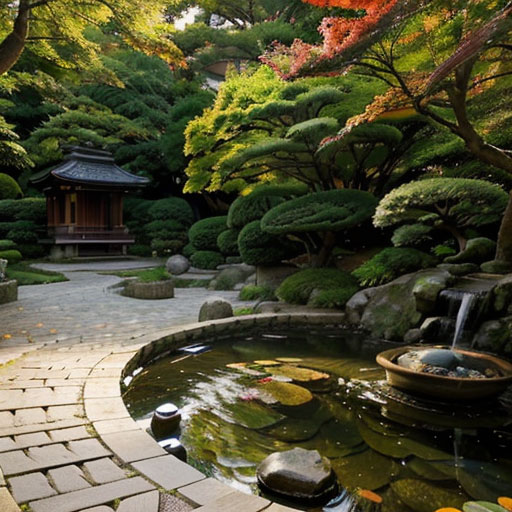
[(443, 387)]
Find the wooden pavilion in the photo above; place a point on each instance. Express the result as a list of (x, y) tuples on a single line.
[(84, 199)]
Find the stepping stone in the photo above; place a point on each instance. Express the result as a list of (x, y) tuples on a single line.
[(103, 471), (148, 502), (235, 502), (30, 487), (7, 503), (68, 479), (205, 491)]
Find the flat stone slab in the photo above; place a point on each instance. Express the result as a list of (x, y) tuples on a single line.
[(103, 471), (147, 502), (133, 445), (68, 479), (105, 409), (92, 497), (30, 487), (204, 491), (120, 425), (235, 502), (7, 503), (168, 472)]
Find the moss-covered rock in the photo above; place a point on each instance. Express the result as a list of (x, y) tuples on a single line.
[(495, 336), (497, 267), (427, 287), (477, 250), (501, 296), (459, 269), (284, 393)]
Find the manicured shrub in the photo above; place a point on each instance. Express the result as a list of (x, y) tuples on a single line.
[(22, 236), (203, 234), (137, 210), (165, 230), (32, 251), (331, 299), (9, 188), (254, 292), (26, 226), (172, 208), (299, 287), (227, 242), (188, 250), (139, 250), (449, 204), (30, 208), (411, 235), (390, 263), (208, 260), (260, 248), (253, 206), (6, 245), (167, 247), (12, 256)]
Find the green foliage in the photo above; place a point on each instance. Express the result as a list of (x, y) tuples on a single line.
[(260, 248), (208, 260), (227, 242), (299, 287), (188, 250), (6, 245), (165, 230), (477, 250), (332, 210), (26, 275), (139, 250), (12, 256), (254, 292), (153, 274), (411, 235), (332, 299), (391, 263), (13, 156), (263, 198), (168, 247), (21, 236), (443, 250), (19, 226), (9, 189), (31, 251), (172, 208), (203, 234)]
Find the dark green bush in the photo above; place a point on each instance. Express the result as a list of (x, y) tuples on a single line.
[(443, 250), (19, 225), (9, 188), (208, 260), (298, 288), (203, 234), (188, 250), (6, 245), (30, 208), (139, 250), (254, 292), (245, 209), (136, 210), (331, 299), (167, 247), (12, 256), (32, 251), (227, 242), (390, 263), (411, 235), (165, 230), (22, 236), (172, 208), (260, 248)]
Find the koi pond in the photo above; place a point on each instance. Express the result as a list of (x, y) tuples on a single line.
[(248, 397)]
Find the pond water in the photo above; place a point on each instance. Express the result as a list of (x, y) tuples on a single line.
[(414, 454)]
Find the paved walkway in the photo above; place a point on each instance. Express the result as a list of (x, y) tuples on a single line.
[(67, 442)]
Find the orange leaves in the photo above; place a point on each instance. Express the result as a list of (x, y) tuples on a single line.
[(448, 509), (505, 502), (346, 4), (7, 336), (370, 495)]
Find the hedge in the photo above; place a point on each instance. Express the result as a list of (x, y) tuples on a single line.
[(203, 234)]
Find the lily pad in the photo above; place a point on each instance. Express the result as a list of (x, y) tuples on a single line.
[(298, 374), (366, 470), (242, 368), (266, 362), (482, 506), (289, 359), (422, 496), (252, 414), (429, 470), (285, 393)]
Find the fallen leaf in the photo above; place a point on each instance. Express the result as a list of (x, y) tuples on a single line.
[(20, 308), (7, 336), (370, 495), (505, 502), (53, 331), (40, 324), (448, 509)]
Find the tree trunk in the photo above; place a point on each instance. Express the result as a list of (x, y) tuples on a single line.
[(504, 249), (321, 259), (12, 46)]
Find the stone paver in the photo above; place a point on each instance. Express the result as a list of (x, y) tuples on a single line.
[(168, 472), (103, 471), (30, 487), (235, 502), (133, 445), (204, 491), (7, 503), (147, 502), (68, 479)]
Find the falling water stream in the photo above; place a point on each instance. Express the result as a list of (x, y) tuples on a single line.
[(466, 305)]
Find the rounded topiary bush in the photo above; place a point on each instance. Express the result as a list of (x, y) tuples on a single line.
[(165, 230), (227, 242), (299, 287), (188, 250), (22, 236), (9, 188), (20, 226), (260, 248), (30, 209), (6, 245), (411, 235), (31, 251), (255, 292), (203, 234), (390, 263), (208, 260), (172, 208), (137, 210), (12, 256), (167, 247), (139, 250)]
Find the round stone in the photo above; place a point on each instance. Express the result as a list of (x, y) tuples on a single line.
[(177, 265), (174, 447), (298, 474), (215, 308), (165, 421), (440, 357)]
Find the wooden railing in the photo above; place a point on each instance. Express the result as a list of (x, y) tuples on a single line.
[(79, 234)]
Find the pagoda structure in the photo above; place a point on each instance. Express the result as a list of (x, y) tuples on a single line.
[(84, 200)]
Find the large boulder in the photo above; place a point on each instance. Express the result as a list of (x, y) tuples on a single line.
[(228, 278), (495, 336), (356, 305), (477, 250), (298, 474), (177, 265), (215, 308), (501, 296), (427, 288)]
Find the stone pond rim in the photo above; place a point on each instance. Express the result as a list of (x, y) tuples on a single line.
[(441, 387)]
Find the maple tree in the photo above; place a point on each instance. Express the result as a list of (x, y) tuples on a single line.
[(435, 56)]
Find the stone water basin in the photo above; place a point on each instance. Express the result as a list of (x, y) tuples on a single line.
[(414, 457)]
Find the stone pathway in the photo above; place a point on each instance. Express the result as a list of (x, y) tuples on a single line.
[(67, 443)]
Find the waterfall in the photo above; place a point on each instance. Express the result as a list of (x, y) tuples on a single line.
[(466, 306)]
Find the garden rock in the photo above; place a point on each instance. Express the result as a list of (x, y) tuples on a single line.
[(273, 276), (413, 336), (8, 291), (228, 278), (495, 336), (3, 266), (427, 288), (501, 296), (354, 308), (177, 265), (459, 269), (215, 308), (497, 267), (477, 250), (298, 474)]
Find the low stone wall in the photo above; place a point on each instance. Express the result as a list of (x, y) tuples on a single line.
[(8, 291), (149, 291)]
